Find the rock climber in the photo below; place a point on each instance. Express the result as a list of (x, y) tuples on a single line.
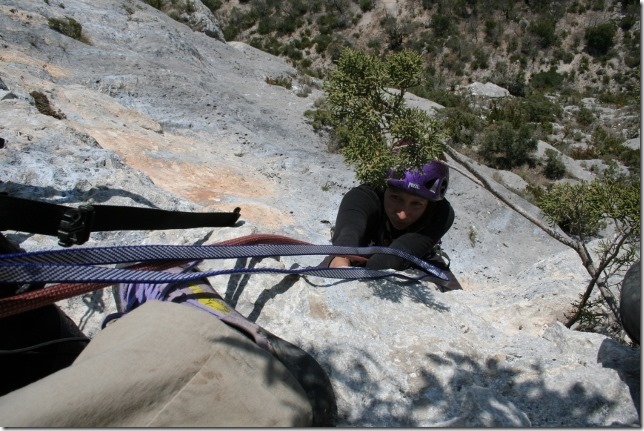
[(411, 214)]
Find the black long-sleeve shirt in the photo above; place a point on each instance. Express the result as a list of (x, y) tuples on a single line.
[(361, 221)]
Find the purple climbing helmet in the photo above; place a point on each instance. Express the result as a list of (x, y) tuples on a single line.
[(429, 182)]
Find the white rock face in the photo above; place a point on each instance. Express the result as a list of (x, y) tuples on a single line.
[(487, 89), (158, 115)]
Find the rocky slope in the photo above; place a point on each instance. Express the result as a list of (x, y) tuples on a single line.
[(158, 115)]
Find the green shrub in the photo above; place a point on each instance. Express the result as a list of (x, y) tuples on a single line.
[(504, 146), (291, 52), (281, 81), (574, 208), (442, 25), (442, 96), (238, 21), (328, 23), (618, 99), (627, 22), (272, 46), (462, 125), (544, 29), (563, 55), (599, 39), (44, 107), (213, 5), (265, 25), (306, 63), (230, 32), (516, 84), (366, 5), (508, 110), (631, 158), (550, 80), (491, 30), (541, 109), (321, 117), (555, 168), (584, 116), (427, 4), (581, 153), (605, 142), (287, 25), (189, 7), (157, 4), (480, 59), (322, 42), (67, 26)]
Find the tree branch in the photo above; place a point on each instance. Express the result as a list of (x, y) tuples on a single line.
[(578, 246)]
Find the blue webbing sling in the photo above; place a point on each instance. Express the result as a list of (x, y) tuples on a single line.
[(84, 269), (83, 265)]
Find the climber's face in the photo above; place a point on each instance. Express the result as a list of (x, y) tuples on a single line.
[(403, 209)]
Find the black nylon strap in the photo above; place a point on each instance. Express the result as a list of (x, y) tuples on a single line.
[(73, 226), (110, 217)]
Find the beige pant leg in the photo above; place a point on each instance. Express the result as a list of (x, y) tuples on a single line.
[(163, 364)]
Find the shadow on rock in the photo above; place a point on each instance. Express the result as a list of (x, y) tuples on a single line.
[(396, 290), (238, 282), (94, 302), (458, 390), (613, 355), (76, 195)]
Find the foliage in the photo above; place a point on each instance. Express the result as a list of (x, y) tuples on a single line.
[(516, 84), (281, 81), (320, 117), (544, 29), (550, 80), (213, 5), (448, 99), (539, 108), (366, 96), (442, 25), (582, 209), (462, 125), (67, 26), (605, 142), (511, 110), (366, 5), (584, 116), (599, 39), (44, 107), (157, 4), (505, 146), (631, 158), (555, 168), (575, 208)]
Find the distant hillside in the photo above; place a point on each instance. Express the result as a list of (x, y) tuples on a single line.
[(574, 65), (594, 44)]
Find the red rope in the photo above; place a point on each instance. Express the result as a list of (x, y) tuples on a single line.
[(38, 298)]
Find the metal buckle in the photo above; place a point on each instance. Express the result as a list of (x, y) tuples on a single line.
[(76, 225)]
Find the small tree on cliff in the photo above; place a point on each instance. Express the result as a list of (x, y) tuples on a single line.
[(368, 114), (581, 209), (574, 213)]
